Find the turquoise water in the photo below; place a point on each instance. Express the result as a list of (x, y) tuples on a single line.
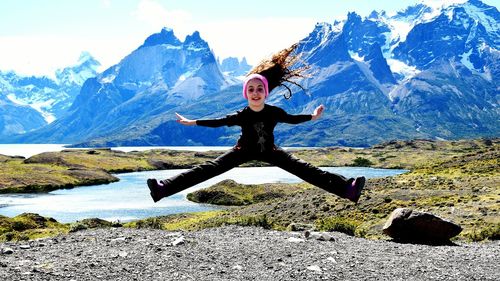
[(129, 198)]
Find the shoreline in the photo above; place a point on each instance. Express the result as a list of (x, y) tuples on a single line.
[(441, 178)]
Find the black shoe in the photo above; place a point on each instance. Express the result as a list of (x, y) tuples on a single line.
[(155, 189), (354, 190)]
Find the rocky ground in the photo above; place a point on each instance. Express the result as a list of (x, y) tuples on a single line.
[(239, 253)]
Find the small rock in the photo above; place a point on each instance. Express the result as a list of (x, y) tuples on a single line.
[(301, 227), (295, 240), (119, 239), (331, 259), (314, 268), (7, 251), (178, 241), (321, 236), (238, 267), (25, 247), (123, 254), (326, 237)]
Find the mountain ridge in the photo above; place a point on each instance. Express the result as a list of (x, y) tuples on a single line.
[(436, 77)]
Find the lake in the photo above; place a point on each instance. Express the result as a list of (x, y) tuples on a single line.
[(28, 150), (129, 198)]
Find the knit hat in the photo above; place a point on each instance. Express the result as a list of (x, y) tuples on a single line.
[(255, 76)]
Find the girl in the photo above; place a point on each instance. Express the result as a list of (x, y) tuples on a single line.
[(256, 142)]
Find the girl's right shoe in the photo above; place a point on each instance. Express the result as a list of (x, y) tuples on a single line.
[(354, 190), (156, 189)]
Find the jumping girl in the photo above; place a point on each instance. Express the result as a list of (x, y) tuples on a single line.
[(256, 142)]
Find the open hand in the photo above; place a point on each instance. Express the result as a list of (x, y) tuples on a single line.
[(317, 112), (184, 121)]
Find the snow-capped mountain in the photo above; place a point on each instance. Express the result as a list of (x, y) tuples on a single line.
[(162, 74), (424, 72), (15, 118), (43, 96), (85, 68)]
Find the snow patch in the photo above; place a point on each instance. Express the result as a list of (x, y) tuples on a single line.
[(465, 60), (400, 67), (490, 24), (400, 29), (38, 106), (355, 56), (108, 79)]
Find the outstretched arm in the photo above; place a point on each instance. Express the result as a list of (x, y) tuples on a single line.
[(229, 120), (317, 112), (184, 121)]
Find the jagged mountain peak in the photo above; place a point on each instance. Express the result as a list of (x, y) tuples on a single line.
[(353, 17), (319, 35), (85, 56), (194, 40), (86, 67), (376, 14), (413, 12), (165, 36), (486, 15), (406, 75), (235, 67)]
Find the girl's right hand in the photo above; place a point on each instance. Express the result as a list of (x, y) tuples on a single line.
[(317, 112), (184, 121)]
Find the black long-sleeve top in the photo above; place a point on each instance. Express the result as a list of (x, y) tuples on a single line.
[(256, 127)]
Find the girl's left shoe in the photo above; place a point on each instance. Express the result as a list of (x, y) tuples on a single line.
[(354, 190), (156, 189)]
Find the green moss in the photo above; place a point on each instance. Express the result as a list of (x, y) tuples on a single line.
[(28, 226), (361, 162), (489, 232), (230, 193), (202, 220), (340, 224), (92, 223), (191, 221)]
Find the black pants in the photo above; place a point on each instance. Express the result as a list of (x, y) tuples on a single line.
[(330, 182)]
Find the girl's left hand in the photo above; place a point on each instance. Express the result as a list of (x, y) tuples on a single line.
[(317, 112)]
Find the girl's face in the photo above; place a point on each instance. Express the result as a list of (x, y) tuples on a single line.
[(256, 93)]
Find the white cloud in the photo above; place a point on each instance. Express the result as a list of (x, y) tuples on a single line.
[(42, 55), (254, 39), (106, 3), (157, 16)]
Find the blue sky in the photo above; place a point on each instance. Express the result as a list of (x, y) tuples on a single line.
[(39, 36)]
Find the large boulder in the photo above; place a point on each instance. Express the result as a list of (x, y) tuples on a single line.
[(414, 226)]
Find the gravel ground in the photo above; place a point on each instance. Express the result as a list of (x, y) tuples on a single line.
[(240, 253)]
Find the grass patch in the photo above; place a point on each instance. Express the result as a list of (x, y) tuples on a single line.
[(361, 162), (230, 193), (490, 232), (201, 220), (28, 226), (340, 224)]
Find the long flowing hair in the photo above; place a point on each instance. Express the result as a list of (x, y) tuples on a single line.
[(283, 67)]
